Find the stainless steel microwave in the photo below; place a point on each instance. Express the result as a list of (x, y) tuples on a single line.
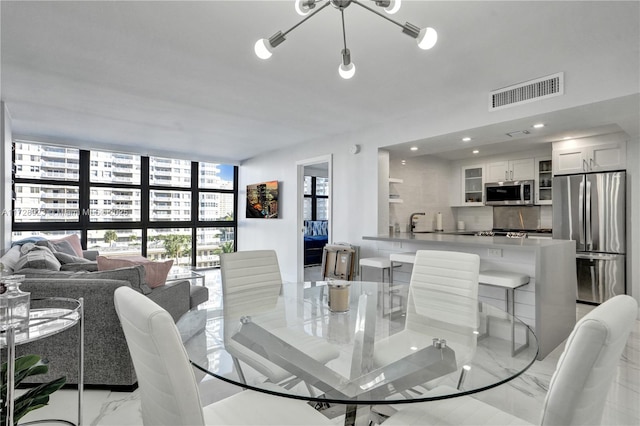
[(509, 193)]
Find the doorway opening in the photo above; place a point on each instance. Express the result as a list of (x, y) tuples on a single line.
[(314, 215)]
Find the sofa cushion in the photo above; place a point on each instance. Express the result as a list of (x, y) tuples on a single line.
[(156, 272), (10, 258), (91, 266), (135, 275), (37, 257)]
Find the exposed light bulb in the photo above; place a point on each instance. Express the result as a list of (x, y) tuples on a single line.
[(427, 38), (347, 71), (263, 48), (303, 7), (393, 7)]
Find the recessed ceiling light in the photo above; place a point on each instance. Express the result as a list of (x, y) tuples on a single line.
[(566, 138), (403, 162), (538, 125), (475, 151), (466, 139), (414, 148)]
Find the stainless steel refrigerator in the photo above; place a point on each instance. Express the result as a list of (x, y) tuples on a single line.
[(590, 209)]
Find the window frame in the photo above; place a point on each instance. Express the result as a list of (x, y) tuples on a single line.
[(85, 186)]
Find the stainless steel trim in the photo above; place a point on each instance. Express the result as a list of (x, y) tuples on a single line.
[(588, 229), (581, 214)]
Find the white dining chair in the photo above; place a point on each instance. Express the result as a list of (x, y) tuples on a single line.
[(251, 285), (578, 387), (442, 303), (169, 392)]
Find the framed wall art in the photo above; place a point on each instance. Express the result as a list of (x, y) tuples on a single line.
[(262, 200)]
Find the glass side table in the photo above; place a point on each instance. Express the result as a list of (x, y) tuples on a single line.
[(180, 273), (48, 316)]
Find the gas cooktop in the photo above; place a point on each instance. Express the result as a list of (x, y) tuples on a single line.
[(505, 231)]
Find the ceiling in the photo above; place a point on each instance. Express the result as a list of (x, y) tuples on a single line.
[(180, 77)]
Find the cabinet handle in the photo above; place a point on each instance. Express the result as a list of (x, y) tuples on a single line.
[(590, 163), (511, 174), (584, 165), (506, 175)]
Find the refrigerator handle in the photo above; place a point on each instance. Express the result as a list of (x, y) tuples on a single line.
[(581, 213), (587, 216)]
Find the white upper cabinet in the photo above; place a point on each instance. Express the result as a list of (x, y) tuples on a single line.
[(590, 155), (544, 180), (473, 185), (522, 169)]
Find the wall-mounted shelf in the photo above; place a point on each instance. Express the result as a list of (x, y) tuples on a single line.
[(395, 180), (395, 200)]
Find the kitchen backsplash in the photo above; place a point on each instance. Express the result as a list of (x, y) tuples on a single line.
[(516, 217), (482, 218)]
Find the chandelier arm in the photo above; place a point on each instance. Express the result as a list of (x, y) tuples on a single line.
[(344, 32), (309, 16), (378, 13)]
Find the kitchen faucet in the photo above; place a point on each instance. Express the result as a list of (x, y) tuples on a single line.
[(412, 225)]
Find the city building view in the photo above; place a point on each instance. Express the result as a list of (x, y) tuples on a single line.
[(49, 181)]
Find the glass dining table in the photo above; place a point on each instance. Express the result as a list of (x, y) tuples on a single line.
[(383, 358)]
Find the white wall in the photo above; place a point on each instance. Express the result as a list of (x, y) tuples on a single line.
[(5, 170), (424, 178)]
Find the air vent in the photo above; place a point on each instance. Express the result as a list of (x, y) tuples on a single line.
[(528, 91)]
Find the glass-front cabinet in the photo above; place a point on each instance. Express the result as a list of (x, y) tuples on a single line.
[(544, 180), (473, 185)]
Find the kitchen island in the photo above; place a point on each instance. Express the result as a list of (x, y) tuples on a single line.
[(547, 304)]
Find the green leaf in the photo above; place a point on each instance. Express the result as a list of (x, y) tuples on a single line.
[(37, 397)]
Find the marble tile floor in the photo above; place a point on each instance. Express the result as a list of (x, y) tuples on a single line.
[(522, 396)]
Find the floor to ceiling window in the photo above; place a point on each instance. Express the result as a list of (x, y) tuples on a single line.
[(126, 204), (316, 198)]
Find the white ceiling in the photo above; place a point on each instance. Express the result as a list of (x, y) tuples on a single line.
[(180, 77)]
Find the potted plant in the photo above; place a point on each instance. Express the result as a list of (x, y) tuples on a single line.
[(36, 397)]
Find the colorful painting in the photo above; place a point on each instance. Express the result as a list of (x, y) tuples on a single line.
[(262, 200)]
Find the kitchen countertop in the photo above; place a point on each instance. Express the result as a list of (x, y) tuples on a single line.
[(472, 240)]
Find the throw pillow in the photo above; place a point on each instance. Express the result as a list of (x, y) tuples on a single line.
[(72, 239), (58, 247), (156, 272), (10, 258), (63, 258), (37, 257)]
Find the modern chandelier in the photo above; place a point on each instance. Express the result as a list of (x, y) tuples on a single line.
[(426, 37)]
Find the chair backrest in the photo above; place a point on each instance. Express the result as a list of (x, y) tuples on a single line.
[(443, 297), (168, 390), (585, 370), (251, 284), (444, 287)]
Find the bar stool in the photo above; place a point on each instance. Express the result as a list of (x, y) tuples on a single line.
[(508, 281), (406, 257), (381, 263)]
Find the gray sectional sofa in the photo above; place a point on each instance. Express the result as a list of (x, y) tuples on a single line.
[(107, 361)]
